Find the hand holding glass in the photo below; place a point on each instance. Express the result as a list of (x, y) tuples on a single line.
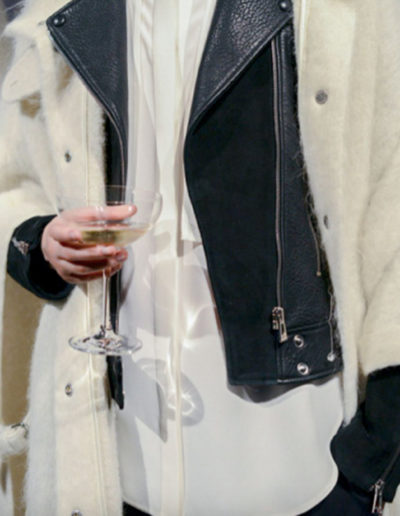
[(125, 216)]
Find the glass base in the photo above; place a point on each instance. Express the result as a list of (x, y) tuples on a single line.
[(105, 342)]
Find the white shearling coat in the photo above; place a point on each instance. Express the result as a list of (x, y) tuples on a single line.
[(349, 49)]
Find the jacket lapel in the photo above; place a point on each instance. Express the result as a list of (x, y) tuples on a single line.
[(239, 30), (91, 34)]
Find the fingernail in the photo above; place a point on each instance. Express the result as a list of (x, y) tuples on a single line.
[(107, 250), (121, 257)]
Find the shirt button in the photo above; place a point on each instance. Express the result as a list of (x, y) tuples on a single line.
[(76, 512), (303, 369), (326, 221), (69, 390), (67, 157), (321, 97), (59, 20)]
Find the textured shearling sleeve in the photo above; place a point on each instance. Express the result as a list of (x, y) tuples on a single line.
[(27, 265)]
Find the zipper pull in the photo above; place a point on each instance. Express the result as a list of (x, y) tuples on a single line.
[(378, 503), (279, 324)]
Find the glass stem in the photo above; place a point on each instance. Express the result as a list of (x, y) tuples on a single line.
[(106, 288)]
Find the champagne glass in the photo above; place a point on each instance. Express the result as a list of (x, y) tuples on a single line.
[(120, 218)]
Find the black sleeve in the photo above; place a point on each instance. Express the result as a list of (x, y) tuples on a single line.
[(368, 449), (27, 265)]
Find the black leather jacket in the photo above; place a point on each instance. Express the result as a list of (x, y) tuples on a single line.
[(244, 176)]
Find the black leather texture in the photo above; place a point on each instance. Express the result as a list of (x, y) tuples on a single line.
[(245, 178), (239, 29)]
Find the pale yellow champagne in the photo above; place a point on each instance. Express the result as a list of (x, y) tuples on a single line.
[(117, 234)]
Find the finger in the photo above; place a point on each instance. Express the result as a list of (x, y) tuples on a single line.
[(90, 277), (90, 254), (79, 270), (94, 213), (64, 233), (110, 271), (78, 280)]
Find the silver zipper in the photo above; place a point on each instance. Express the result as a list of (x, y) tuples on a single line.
[(279, 323), (278, 312), (378, 503)]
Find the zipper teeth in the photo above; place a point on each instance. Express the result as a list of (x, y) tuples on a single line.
[(316, 243), (389, 467), (277, 173)]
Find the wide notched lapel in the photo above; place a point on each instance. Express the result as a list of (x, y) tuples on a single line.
[(239, 30), (92, 36)]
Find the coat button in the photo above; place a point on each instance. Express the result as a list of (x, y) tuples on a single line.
[(59, 20), (326, 221), (303, 369), (284, 5), (68, 389), (298, 341), (321, 97)]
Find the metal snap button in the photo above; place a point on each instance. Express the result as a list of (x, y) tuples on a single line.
[(303, 369), (321, 97), (68, 389), (59, 20), (326, 221), (67, 157), (298, 341), (284, 5), (331, 357)]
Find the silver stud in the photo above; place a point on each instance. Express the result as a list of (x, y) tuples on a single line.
[(303, 369), (298, 341), (69, 390), (326, 221), (321, 97), (331, 357), (284, 5), (67, 157), (59, 20)]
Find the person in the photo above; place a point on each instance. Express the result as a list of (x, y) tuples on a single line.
[(271, 130)]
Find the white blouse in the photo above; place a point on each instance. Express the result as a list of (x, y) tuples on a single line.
[(189, 443)]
